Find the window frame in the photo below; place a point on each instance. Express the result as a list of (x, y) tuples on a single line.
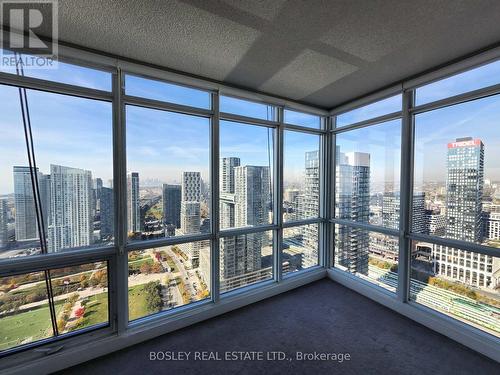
[(117, 255), (469, 335)]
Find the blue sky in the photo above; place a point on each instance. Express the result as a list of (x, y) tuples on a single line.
[(160, 145), (78, 132), (66, 131), (383, 143), (382, 107), (433, 130)]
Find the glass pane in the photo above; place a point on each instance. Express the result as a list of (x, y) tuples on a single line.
[(24, 310), (470, 80), (167, 277), (370, 255), (302, 119), (64, 129), (18, 223), (245, 260), (300, 248), (168, 185), (166, 92), (301, 176), (62, 73), (367, 174), (458, 283), (80, 296), (246, 171), (376, 109), (247, 108), (457, 171)]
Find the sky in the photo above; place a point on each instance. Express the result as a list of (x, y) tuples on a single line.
[(160, 145), (433, 130), (383, 143)]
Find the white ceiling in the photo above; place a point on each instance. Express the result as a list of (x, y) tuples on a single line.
[(320, 52)]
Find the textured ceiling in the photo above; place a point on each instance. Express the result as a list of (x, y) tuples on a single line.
[(318, 52)]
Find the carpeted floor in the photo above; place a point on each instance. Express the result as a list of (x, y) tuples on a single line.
[(323, 317)]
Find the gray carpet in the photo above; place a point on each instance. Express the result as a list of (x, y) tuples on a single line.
[(322, 317)]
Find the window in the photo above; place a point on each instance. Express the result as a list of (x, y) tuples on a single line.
[(167, 277), (168, 182), (369, 255), (483, 76), (300, 248), (440, 282), (367, 174), (167, 92), (64, 182), (79, 299), (302, 119), (64, 73), (376, 109), (80, 296), (247, 108), (301, 171), (245, 259), (61, 154), (456, 170), (24, 316), (246, 175)]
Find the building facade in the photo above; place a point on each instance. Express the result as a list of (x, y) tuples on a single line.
[(133, 203), (4, 229), (310, 208), (172, 205), (352, 197), (464, 193), (70, 220), (107, 208)]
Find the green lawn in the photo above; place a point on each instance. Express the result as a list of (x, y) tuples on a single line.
[(137, 302), (135, 265), (96, 310), (25, 327)]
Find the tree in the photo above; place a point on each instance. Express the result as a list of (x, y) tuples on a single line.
[(61, 324), (80, 312), (145, 268), (153, 296), (156, 268)]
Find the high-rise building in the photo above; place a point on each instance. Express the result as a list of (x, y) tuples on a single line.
[(227, 191), (24, 202), (290, 195), (97, 186), (464, 189), (191, 213), (107, 208), (4, 234), (492, 225), (352, 196), (190, 218), (435, 223), (191, 186), (172, 205), (70, 221), (244, 201), (252, 195), (133, 203), (391, 211), (388, 247), (310, 208), (464, 193), (45, 196)]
